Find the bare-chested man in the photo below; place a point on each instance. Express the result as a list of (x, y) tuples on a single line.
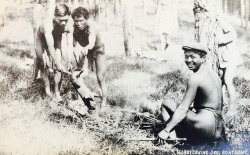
[(88, 44), (49, 53), (204, 89)]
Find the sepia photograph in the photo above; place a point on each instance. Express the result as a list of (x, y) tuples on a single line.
[(120, 77)]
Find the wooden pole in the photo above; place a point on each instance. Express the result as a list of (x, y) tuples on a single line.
[(247, 15), (127, 27)]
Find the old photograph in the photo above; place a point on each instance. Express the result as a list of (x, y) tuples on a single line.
[(124, 77)]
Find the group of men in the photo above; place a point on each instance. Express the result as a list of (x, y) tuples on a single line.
[(85, 49)]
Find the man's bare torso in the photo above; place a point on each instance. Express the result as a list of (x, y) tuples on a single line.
[(209, 94), (49, 26)]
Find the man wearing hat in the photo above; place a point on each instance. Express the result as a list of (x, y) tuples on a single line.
[(203, 122)]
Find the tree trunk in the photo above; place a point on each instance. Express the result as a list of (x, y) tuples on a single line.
[(127, 27), (2, 12), (115, 7), (96, 11), (70, 3), (76, 4), (247, 15), (157, 6), (242, 13), (51, 4), (225, 6), (106, 14), (205, 29)]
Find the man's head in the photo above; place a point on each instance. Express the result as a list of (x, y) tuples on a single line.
[(194, 55), (80, 16), (61, 14)]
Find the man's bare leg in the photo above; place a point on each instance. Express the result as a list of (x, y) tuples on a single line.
[(228, 79), (45, 79), (167, 110), (35, 69), (100, 63), (57, 74), (58, 81), (202, 123), (40, 63)]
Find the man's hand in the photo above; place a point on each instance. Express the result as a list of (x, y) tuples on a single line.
[(60, 68), (84, 51), (69, 66), (75, 76), (162, 136)]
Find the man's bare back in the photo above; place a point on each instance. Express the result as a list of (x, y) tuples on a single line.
[(208, 83)]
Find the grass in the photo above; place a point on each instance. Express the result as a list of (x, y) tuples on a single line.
[(34, 124)]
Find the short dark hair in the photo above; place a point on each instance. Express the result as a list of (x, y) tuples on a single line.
[(80, 11), (61, 10)]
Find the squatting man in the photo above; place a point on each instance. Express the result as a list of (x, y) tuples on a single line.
[(203, 122)]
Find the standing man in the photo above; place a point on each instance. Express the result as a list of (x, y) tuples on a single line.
[(88, 43), (49, 53), (204, 122), (229, 57)]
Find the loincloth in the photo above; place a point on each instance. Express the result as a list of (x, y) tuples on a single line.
[(92, 55), (82, 59), (219, 124)]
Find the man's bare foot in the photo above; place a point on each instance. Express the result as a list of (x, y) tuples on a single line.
[(58, 97), (49, 95)]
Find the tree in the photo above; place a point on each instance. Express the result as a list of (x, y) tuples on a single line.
[(96, 10), (76, 4), (224, 4), (2, 12), (51, 7), (247, 15), (205, 29), (242, 12), (115, 7), (127, 27), (106, 5), (166, 14)]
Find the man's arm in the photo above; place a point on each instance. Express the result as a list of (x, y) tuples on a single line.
[(51, 49), (50, 43), (70, 48), (92, 39), (182, 109), (226, 36)]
